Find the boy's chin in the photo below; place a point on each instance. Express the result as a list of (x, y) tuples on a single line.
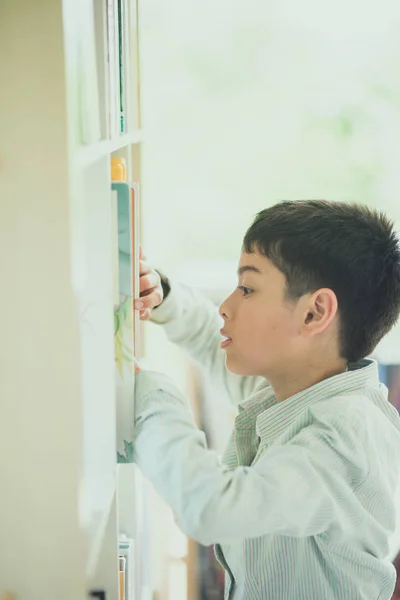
[(237, 369)]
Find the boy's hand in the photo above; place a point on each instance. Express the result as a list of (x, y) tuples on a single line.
[(151, 293)]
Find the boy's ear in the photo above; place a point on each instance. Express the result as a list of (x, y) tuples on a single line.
[(320, 310)]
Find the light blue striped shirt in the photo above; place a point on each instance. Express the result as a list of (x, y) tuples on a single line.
[(302, 503)]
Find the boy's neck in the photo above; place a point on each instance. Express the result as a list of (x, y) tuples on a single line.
[(286, 385)]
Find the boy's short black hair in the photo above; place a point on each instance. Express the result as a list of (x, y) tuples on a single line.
[(349, 248)]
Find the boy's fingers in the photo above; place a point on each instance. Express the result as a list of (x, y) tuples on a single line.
[(153, 298), (145, 314), (148, 282), (144, 268), (151, 293), (141, 255)]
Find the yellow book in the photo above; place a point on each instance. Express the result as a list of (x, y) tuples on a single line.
[(122, 573), (118, 169)]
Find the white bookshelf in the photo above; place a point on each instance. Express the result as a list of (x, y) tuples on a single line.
[(94, 152), (64, 500)]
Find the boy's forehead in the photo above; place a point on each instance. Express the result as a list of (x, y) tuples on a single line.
[(254, 262)]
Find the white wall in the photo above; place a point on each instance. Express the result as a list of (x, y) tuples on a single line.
[(248, 103)]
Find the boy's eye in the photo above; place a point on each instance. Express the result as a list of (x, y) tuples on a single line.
[(246, 291)]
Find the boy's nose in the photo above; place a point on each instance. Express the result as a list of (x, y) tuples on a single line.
[(224, 310)]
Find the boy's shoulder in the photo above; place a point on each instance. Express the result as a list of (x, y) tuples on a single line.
[(364, 414), (341, 407)]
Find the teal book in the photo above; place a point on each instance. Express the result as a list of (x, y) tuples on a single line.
[(124, 319)]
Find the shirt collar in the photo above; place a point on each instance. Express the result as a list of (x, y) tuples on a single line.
[(270, 417)]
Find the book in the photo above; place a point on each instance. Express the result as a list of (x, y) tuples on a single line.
[(87, 79), (126, 547), (114, 233), (126, 242), (135, 217), (103, 75), (123, 325), (125, 317), (112, 64), (132, 66), (121, 65), (122, 578), (118, 169), (117, 58)]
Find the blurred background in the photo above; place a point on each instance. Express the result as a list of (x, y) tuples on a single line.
[(245, 104)]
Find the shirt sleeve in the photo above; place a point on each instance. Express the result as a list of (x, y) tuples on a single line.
[(298, 489), (192, 321)]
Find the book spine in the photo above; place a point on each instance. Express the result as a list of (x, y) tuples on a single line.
[(121, 65), (112, 75), (101, 34), (115, 250), (135, 199), (116, 67), (122, 578), (123, 329), (87, 81), (127, 549)]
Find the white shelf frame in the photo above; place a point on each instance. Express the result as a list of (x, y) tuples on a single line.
[(87, 155)]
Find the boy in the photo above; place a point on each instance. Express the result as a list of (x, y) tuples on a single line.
[(301, 505)]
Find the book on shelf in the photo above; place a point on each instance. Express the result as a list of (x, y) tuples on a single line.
[(122, 55), (126, 548), (122, 578), (102, 62), (105, 70), (111, 29), (89, 126), (125, 317), (112, 68), (135, 224), (115, 248), (133, 90)]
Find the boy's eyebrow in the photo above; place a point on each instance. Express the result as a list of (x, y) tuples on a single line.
[(245, 268)]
